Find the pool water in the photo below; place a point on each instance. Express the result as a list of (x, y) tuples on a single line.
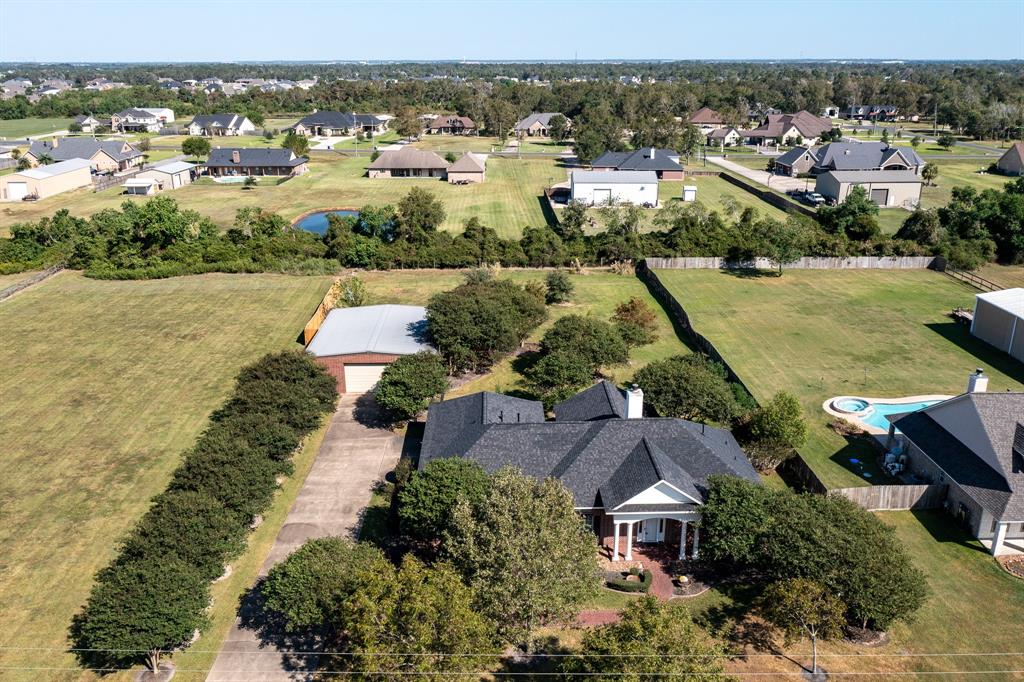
[(317, 222), (853, 405), (877, 416)]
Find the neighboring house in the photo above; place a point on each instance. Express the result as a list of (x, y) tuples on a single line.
[(872, 112), (163, 114), (217, 125), (604, 188), (339, 124), (724, 137), (104, 84), (848, 156), (106, 156), (706, 119), (170, 175), (89, 123), (225, 161), (999, 320), (536, 125), (407, 162), (135, 121), (802, 127), (46, 181), (1012, 162), (830, 112), (470, 169), (355, 345), (664, 162), (632, 479), (974, 445), (452, 125), (885, 187)]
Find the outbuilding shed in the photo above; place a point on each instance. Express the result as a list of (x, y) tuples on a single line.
[(999, 320), (46, 181), (603, 188), (170, 175), (356, 344), (885, 187)]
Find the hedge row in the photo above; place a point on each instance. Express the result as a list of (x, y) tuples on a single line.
[(153, 596), (625, 585)]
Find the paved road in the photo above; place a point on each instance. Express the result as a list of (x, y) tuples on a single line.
[(781, 183), (352, 458)]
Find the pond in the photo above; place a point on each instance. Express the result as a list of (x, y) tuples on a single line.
[(317, 222)]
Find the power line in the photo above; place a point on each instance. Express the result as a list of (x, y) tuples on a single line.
[(772, 673)]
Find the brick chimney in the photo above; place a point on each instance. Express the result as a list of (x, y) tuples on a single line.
[(236, 157), (634, 403)]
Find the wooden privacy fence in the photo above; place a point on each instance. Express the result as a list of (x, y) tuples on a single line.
[(777, 200), (894, 497), (320, 314), (26, 283), (805, 263)]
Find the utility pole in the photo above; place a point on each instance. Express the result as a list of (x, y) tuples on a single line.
[(935, 119)]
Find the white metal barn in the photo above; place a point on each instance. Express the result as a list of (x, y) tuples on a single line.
[(999, 320), (602, 188)]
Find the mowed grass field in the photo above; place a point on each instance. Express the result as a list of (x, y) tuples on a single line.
[(596, 293), (508, 201), (23, 127), (824, 333), (104, 385)]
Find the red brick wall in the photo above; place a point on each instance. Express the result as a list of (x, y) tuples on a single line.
[(335, 364), (672, 175)]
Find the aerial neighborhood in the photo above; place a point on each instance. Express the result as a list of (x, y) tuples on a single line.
[(640, 363)]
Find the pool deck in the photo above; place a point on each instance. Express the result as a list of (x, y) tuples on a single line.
[(852, 417)]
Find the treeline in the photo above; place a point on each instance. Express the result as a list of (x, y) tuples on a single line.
[(156, 238), (154, 594), (980, 99)]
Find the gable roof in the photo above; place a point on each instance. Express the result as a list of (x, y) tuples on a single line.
[(173, 167), (544, 119), (135, 113), (706, 115), (645, 159), (469, 163), (998, 419), (338, 119), (453, 425), (408, 158), (452, 122), (864, 155), (48, 171), (901, 176), (618, 177), (794, 155), (389, 329), (603, 400), (83, 148), (1010, 300), (1015, 150), (806, 123), (253, 156), (721, 133), (227, 121)]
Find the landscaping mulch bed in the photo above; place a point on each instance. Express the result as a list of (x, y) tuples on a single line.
[(1014, 565), (865, 637)]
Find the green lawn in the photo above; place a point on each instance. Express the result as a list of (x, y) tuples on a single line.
[(595, 294), (104, 385), (819, 334), (1006, 276), (175, 141), (459, 143), (23, 127), (508, 201)]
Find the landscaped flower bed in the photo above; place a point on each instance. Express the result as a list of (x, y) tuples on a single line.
[(1015, 566), (633, 580)]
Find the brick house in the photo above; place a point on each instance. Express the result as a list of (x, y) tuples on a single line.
[(633, 479), (357, 344)]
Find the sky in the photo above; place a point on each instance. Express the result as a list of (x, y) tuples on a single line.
[(310, 30)]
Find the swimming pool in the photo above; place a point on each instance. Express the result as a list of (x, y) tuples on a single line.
[(317, 222), (877, 413), (870, 413)]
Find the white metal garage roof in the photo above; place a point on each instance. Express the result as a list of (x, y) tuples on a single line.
[(1010, 300), (391, 329)]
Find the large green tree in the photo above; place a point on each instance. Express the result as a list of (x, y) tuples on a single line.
[(195, 147), (594, 341), (688, 387), (777, 428), (420, 212), (427, 501), (409, 384), (526, 551)]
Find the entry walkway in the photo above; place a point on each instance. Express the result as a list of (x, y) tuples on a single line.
[(352, 458)]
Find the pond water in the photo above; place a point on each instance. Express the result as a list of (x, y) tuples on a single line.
[(317, 222)]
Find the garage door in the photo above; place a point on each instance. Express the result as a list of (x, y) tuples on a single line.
[(16, 191), (880, 196), (362, 378)]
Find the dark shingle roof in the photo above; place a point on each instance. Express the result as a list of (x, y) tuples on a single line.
[(454, 424), (83, 148), (603, 400), (863, 155), (250, 157), (646, 159), (338, 119), (229, 121), (793, 155)]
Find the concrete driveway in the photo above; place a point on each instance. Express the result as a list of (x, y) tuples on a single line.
[(352, 458), (779, 183)]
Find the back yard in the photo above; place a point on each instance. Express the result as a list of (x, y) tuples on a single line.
[(819, 334), (104, 385)]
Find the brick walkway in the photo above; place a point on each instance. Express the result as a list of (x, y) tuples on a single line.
[(657, 559)]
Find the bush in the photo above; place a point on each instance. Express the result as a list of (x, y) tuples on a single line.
[(427, 500), (559, 287), (595, 342), (409, 383), (624, 585), (636, 322), (689, 387)]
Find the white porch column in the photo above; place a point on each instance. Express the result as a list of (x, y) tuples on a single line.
[(615, 549), (682, 540), (696, 540), (999, 537), (629, 541)]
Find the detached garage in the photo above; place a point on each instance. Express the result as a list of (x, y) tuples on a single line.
[(999, 320), (46, 181), (356, 344), (885, 187), (604, 188)]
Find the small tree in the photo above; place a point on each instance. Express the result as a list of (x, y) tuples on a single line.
[(75, 127), (419, 212), (786, 242), (594, 341), (777, 428), (24, 164), (268, 135), (44, 159), (450, 157), (651, 641), (636, 322), (559, 287), (195, 147), (409, 384), (929, 173), (801, 607), (298, 144), (143, 144), (574, 217), (558, 127), (257, 118), (426, 502), (250, 182), (947, 140), (916, 141), (885, 135)]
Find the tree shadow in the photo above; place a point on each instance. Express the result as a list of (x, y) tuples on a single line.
[(368, 413), (944, 528), (271, 631), (960, 335), (749, 273), (545, 660), (860, 456)]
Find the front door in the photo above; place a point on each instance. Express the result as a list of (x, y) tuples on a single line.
[(652, 530)]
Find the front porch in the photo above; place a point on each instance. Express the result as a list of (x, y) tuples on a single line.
[(678, 530)]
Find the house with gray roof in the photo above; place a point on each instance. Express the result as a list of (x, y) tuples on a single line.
[(886, 188), (537, 125), (227, 162), (664, 162), (106, 156), (632, 478), (974, 445), (136, 121), (340, 124), (215, 125), (848, 156)]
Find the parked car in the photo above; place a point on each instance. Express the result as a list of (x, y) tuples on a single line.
[(813, 199)]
